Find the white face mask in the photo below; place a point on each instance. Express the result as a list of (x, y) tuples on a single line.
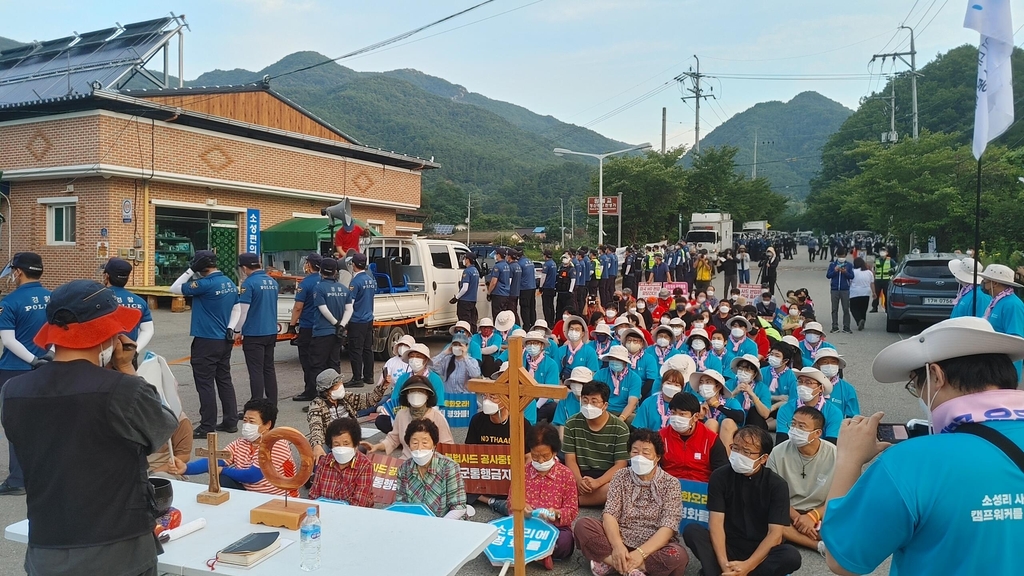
[(794, 312), (680, 424), (742, 464), (718, 344), (841, 259), (422, 457), (566, 318), (641, 306), (707, 390), (106, 355), (829, 370), (533, 350), (489, 406), (590, 412), (458, 351), (576, 388), (338, 393), (698, 325), (744, 376), (804, 393), (701, 299), (250, 432), (670, 390), (417, 364), (664, 342), (543, 466), (417, 399), (724, 310), (677, 332), (641, 465), (634, 347), (697, 345), (774, 361), (402, 349), (610, 313), (343, 454), (664, 320), (621, 333), (812, 338), (799, 437), (574, 335), (738, 332)]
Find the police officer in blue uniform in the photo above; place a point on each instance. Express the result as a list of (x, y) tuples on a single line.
[(469, 285), (527, 291), (582, 277), (303, 315), (257, 326), (22, 314), (501, 281), (215, 310), (547, 287), (116, 273), (333, 312), (360, 327)]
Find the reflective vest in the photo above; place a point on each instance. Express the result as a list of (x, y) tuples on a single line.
[(883, 269)]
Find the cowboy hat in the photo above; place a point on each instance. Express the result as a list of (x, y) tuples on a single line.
[(616, 353), (699, 333), (666, 330), (814, 327), (82, 314), (714, 375), (829, 353), (505, 320), (747, 358), (581, 374), (682, 363), (485, 322), (536, 336), (461, 324), (963, 270), (817, 376), (677, 321), (741, 319), (953, 338), (419, 348), (1001, 274), (541, 325)]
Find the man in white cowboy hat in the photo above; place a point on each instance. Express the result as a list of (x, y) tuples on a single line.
[(1006, 311), (947, 503), (814, 340), (622, 380), (812, 389), (963, 270), (843, 395), (542, 368)]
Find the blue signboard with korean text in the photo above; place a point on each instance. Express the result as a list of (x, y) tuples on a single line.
[(459, 409), (252, 230), (695, 503), (539, 538)]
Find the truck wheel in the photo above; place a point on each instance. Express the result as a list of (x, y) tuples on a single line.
[(892, 325), (393, 337)]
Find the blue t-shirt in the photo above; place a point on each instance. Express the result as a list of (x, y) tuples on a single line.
[(550, 272), (213, 297), (711, 362), (546, 374), (615, 265), (844, 396), (260, 292), (660, 272), (130, 300), (471, 277), (747, 346), (435, 381), (628, 388), (24, 311), (965, 307), (653, 413), (476, 344), (566, 360), (334, 295), (833, 417), (787, 382), (528, 277), (760, 390), (304, 293), (361, 291), (940, 504), (515, 281), (504, 275), (808, 356), (567, 408), (1008, 318), (650, 365)]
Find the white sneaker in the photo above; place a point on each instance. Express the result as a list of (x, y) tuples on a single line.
[(821, 548), (470, 512)]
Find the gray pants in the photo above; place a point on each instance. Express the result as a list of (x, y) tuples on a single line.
[(841, 297)]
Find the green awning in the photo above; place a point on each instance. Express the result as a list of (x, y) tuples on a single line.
[(303, 234)]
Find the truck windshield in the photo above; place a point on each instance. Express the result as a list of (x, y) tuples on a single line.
[(702, 236)]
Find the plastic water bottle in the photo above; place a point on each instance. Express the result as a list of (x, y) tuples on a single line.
[(309, 542)]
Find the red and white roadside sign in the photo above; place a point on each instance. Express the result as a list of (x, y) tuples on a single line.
[(611, 205)]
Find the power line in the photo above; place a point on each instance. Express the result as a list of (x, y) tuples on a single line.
[(797, 56), (933, 17)]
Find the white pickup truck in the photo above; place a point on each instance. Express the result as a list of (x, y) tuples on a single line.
[(416, 278)]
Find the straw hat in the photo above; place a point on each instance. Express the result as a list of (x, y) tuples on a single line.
[(817, 376), (829, 353), (505, 320), (1001, 274), (616, 353), (747, 358)]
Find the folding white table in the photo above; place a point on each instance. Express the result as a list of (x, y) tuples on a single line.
[(355, 540)]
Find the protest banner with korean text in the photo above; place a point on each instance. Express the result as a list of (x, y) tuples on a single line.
[(695, 503), (459, 409), (485, 467), (385, 478), (751, 292)]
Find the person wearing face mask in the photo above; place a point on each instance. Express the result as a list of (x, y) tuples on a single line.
[(485, 345), (490, 426), (242, 468), (692, 451), (570, 405), (655, 356), (792, 321), (738, 343), (548, 287), (595, 444), (301, 324), (637, 531), (720, 319), (762, 332), (778, 374), (565, 285), (751, 391), (942, 487), (678, 328), (720, 410), (575, 352), (430, 478), (643, 310), (81, 426), (718, 343), (346, 474), (334, 401), (813, 342), (1006, 310), (543, 369), (749, 511), (807, 465), (812, 389), (633, 342), (884, 271), (418, 400), (840, 275), (970, 289), (766, 306), (623, 381), (601, 341), (698, 345), (843, 395), (417, 357), (664, 304), (654, 412), (455, 367)]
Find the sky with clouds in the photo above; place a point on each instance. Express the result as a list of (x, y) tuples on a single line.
[(605, 64)]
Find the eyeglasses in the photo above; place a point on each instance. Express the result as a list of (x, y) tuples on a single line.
[(748, 454), (911, 387)]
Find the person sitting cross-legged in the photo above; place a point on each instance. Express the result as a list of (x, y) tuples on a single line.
[(430, 478), (807, 465), (344, 475), (812, 389), (749, 511), (692, 452), (595, 444)]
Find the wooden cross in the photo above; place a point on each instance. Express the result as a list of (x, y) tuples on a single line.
[(213, 495), (519, 388)]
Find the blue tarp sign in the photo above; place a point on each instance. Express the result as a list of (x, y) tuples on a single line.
[(252, 230), (539, 537), (695, 503), (409, 508), (459, 409)]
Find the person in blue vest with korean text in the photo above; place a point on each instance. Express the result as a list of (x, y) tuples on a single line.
[(215, 310), (548, 276), (465, 298), (360, 327), (500, 283), (334, 311), (22, 314), (970, 288), (116, 273), (1005, 311), (257, 326), (945, 503), (527, 291)]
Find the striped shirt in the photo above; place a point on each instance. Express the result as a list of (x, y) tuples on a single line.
[(597, 451), (245, 454)]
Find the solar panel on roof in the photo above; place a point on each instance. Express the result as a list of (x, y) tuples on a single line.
[(444, 229)]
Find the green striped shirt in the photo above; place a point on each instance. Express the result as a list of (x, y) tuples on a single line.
[(596, 450)]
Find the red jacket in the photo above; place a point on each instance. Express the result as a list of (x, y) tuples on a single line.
[(688, 458)]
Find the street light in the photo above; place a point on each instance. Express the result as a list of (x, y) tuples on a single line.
[(600, 179)]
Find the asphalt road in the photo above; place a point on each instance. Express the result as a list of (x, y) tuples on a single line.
[(172, 341)]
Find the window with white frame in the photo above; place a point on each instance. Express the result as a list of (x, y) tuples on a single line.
[(376, 225), (60, 223)]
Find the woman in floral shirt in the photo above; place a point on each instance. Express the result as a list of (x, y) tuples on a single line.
[(333, 402)]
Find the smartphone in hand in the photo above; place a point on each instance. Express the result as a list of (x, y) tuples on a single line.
[(892, 433)]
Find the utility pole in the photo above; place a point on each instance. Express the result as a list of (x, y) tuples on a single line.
[(698, 95), (892, 112), (561, 208), (664, 117), (913, 72), (619, 243), (753, 171), (469, 214)]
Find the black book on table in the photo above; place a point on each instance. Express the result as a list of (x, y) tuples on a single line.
[(250, 549)]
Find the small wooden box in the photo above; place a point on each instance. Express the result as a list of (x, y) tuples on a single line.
[(281, 514), (177, 304)]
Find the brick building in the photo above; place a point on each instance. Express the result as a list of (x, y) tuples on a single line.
[(157, 174)]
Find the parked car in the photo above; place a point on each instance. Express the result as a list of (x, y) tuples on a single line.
[(922, 289)]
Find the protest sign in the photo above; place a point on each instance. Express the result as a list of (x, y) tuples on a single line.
[(385, 478), (751, 292), (459, 409), (539, 539), (485, 467), (671, 287), (695, 503), (648, 289)]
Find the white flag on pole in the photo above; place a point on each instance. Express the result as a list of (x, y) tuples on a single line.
[(993, 112)]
